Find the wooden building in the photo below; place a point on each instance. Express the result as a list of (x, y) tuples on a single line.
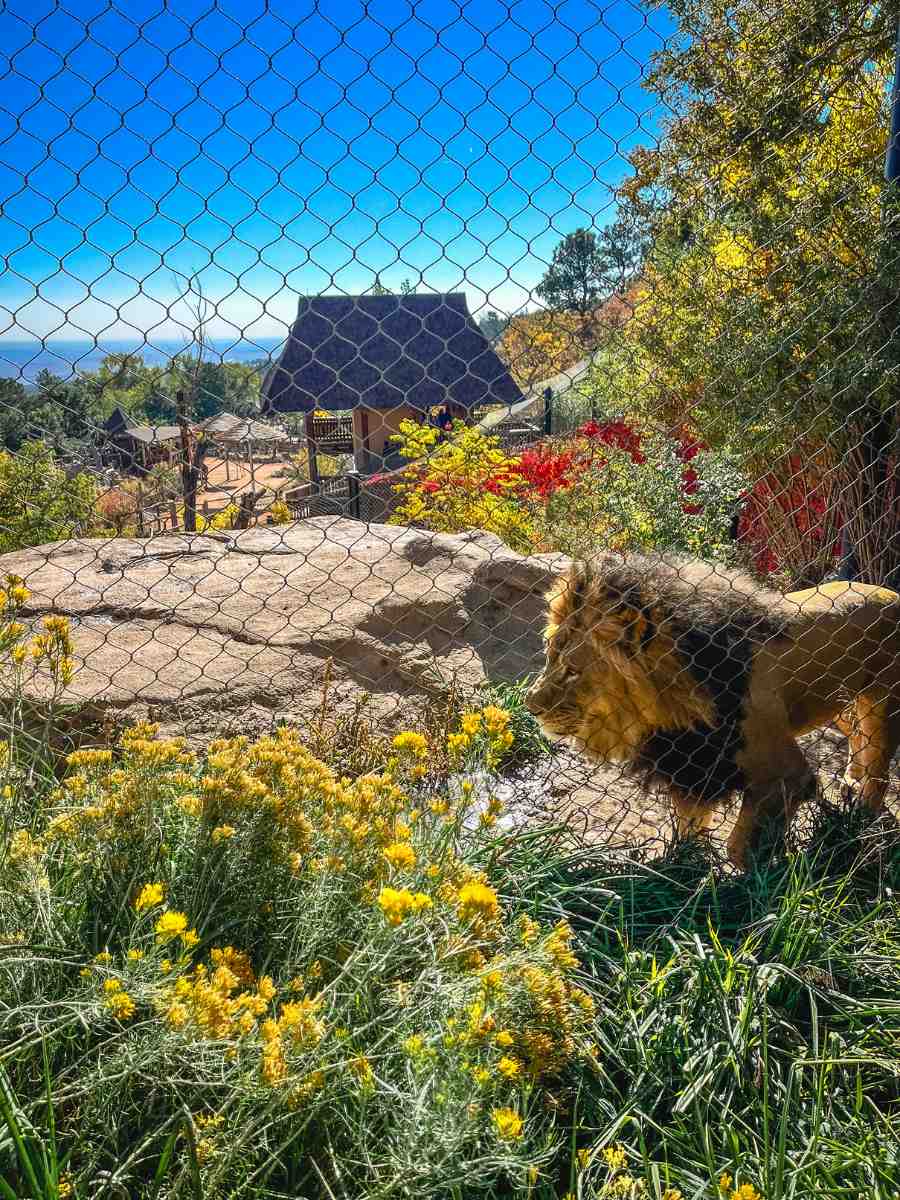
[(380, 360), (135, 448)]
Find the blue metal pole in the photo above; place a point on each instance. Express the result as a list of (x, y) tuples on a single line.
[(892, 158)]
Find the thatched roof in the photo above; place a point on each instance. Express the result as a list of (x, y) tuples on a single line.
[(120, 425), (385, 351), (226, 427)]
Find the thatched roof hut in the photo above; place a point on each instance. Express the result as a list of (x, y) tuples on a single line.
[(383, 359)]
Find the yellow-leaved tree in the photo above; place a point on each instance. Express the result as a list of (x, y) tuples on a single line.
[(763, 311)]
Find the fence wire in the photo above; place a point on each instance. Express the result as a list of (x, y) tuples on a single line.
[(335, 335)]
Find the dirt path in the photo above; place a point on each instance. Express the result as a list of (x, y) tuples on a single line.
[(226, 482)]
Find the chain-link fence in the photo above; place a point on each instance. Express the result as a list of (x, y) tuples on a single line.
[(334, 334), (449, 616)]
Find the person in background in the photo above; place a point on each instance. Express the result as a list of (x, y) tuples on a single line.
[(443, 420)]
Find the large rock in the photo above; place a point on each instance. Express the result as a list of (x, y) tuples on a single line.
[(209, 634)]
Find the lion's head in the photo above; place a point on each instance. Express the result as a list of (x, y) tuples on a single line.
[(612, 675)]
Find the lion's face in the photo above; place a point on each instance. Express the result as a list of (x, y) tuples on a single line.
[(594, 687)]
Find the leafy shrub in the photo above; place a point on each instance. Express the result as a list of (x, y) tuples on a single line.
[(464, 481), (39, 502), (280, 513), (312, 977), (607, 486)]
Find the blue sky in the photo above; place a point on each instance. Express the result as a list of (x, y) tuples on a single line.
[(277, 147)]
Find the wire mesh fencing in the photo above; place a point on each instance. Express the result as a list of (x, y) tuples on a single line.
[(334, 337)]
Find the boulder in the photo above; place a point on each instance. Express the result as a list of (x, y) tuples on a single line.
[(213, 633)]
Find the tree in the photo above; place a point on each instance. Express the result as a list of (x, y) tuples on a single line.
[(573, 281), (762, 303), (539, 345), (492, 325), (39, 502), (587, 270), (378, 288)]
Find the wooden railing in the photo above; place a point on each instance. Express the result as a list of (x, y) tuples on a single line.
[(332, 433)]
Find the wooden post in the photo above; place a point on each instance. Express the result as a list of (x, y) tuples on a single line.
[(311, 450), (245, 510), (548, 411), (190, 501)]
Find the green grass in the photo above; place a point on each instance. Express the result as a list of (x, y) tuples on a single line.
[(745, 1024), (749, 1024)]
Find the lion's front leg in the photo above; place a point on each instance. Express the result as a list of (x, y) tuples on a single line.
[(692, 817), (770, 800)]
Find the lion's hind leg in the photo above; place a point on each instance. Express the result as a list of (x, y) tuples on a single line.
[(873, 728)]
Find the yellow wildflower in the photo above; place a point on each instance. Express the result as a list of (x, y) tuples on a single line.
[(528, 930), (457, 744), (119, 1003), (149, 896), (398, 904), (615, 1158), (481, 1075), (362, 1069), (135, 955), (221, 833), (414, 1045), (400, 855), (477, 900), (470, 723), (504, 1038), (411, 743), (495, 719), (509, 1068), (558, 945), (507, 1123), (724, 1182), (171, 925), (584, 1158), (673, 1194)]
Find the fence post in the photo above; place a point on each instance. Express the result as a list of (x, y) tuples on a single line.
[(548, 411), (353, 502)]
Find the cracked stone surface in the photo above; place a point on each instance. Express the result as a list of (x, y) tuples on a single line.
[(208, 634)]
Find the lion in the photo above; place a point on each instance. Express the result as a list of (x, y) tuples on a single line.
[(701, 680)]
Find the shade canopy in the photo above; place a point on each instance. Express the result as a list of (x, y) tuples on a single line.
[(385, 351), (226, 427)]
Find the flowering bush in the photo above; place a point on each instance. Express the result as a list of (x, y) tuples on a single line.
[(290, 957), (789, 523), (606, 486), (462, 482)]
